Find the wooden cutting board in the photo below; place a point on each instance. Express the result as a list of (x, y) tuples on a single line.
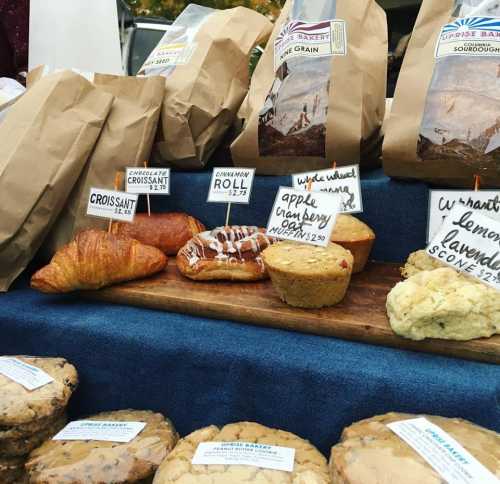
[(360, 317)]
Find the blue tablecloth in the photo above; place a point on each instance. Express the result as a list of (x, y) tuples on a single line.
[(200, 371)]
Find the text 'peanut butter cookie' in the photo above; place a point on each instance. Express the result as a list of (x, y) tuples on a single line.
[(309, 467), (371, 453), (97, 462)]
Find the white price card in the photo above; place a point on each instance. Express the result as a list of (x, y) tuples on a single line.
[(112, 204), (231, 185), (442, 201), (307, 217), (470, 243), (148, 181), (29, 376), (246, 454), (110, 431), (344, 181), (443, 453)]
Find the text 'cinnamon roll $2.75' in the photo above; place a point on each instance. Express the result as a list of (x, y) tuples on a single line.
[(225, 253)]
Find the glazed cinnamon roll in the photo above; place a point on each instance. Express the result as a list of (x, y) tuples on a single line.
[(225, 253)]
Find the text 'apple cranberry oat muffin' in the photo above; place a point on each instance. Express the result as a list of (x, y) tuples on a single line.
[(310, 466), (308, 276), (98, 462), (371, 453)]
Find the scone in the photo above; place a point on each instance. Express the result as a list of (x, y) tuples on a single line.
[(420, 261), (307, 276), (20, 446), (92, 462), (310, 466), (370, 453), (12, 470), (443, 304), (21, 407), (355, 236)]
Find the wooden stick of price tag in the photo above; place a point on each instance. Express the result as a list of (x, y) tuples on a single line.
[(477, 182), (334, 165), (147, 194), (227, 214), (118, 181)]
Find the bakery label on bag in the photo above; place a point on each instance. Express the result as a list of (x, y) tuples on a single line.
[(168, 55), (29, 376), (109, 431), (148, 181), (343, 181), (442, 452), (309, 39), (231, 185), (469, 242), (307, 217), (112, 204), (442, 201), (474, 36), (246, 454)]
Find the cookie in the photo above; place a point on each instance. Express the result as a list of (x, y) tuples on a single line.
[(19, 406), (27, 430), (92, 462), (310, 466), (370, 453), (12, 470), (24, 445), (443, 304)]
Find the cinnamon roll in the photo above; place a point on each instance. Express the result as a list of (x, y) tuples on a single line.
[(225, 253)]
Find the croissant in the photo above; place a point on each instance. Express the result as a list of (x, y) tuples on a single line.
[(96, 259)]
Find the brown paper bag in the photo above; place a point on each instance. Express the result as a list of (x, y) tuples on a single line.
[(205, 59), (445, 121), (323, 99), (45, 142), (125, 141)]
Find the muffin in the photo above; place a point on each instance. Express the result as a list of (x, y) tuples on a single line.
[(93, 462), (370, 453), (309, 466), (307, 276), (356, 237)]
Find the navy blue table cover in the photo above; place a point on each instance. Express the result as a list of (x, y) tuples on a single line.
[(200, 371)]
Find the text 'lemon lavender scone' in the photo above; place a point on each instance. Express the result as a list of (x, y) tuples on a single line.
[(97, 462), (443, 304), (309, 466), (355, 236), (307, 276), (420, 261), (225, 253), (371, 453)]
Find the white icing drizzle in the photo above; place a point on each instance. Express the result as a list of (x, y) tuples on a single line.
[(227, 243)]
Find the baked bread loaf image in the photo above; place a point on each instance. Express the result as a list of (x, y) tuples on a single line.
[(165, 231), (371, 453), (443, 304), (96, 259), (97, 462), (310, 467), (355, 236), (226, 253), (420, 261), (308, 276)]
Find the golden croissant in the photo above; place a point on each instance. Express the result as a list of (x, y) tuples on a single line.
[(96, 259)]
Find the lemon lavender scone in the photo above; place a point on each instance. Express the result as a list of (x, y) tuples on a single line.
[(420, 261), (308, 276)]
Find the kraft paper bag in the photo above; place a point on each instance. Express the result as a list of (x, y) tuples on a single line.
[(45, 142), (444, 126), (205, 60), (317, 95), (126, 141)]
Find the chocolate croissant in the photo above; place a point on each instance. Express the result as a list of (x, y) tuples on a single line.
[(96, 259), (166, 231)]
